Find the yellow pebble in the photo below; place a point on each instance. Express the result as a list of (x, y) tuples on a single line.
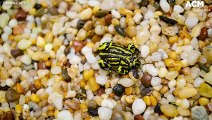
[(44, 4), (173, 39), (186, 41), (172, 55), (90, 44), (147, 100), (169, 62), (87, 74), (157, 14), (125, 11), (18, 108), (128, 91), (115, 21), (35, 98), (83, 107), (82, 83), (93, 85), (27, 99), (178, 65), (48, 37), (95, 9), (32, 11), (203, 101), (55, 113), (19, 88), (129, 99), (40, 42), (153, 100)]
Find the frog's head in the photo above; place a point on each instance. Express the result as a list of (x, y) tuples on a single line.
[(104, 46), (136, 62)]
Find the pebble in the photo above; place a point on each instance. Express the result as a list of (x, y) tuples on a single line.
[(193, 57), (191, 21), (137, 17), (4, 19), (104, 113), (101, 13), (26, 59), (101, 79), (138, 106), (78, 45), (126, 82), (203, 34), (56, 70), (164, 5), (11, 95), (19, 29), (155, 81), (205, 90), (150, 68), (65, 115), (178, 9), (120, 30), (169, 110), (56, 99), (23, 44), (138, 117), (144, 51), (116, 14), (85, 14), (187, 92), (146, 80), (199, 113), (118, 90), (16, 52), (208, 77), (21, 15)]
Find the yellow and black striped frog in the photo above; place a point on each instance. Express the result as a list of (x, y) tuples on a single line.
[(118, 58)]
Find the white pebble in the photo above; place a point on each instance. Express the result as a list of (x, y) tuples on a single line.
[(26, 59), (99, 30), (93, 3), (74, 59), (90, 58), (13, 23), (150, 68), (65, 115), (170, 98), (144, 50), (137, 17), (101, 79), (48, 47), (116, 14), (56, 70), (164, 5), (178, 9), (149, 14), (155, 81), (198, 81), (71, 94), (155, 29), (56, 99), (107, 103), (86, 50), (126, 82), (156, 56), (85, 14), (6, 6), (105, 113), (138, 106), (4, 36), (10, 82), (23, 44), (193, 57), (191, 21), (185, 104)]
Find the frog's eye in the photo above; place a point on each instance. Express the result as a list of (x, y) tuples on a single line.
[(105, 45), (132, 48)]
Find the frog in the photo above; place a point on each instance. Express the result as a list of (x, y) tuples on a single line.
[(118, 58)]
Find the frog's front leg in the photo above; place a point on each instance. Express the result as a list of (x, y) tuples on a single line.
[(104, 65), (122, 70)]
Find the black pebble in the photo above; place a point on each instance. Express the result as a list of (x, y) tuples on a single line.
[(37, 6), (93, 111), (118, 90), (80, 24), (168, 20)]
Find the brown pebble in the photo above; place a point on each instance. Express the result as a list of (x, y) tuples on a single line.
[(11, 95), (146, 80), (16, 52), (53, 11), (73, 104), (108, 18), (19, 29), (210, 8), (96, 38), (100, 91), (77, 45), (164, 81), (32, 88), (41, 65), (21, 15), (9, 115), (203, 34), (138, 117)]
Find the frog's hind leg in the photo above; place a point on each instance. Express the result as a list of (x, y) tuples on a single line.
[(136, 63), (132, 48), (104, 65), (122, 70)]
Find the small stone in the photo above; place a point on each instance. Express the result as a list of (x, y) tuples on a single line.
[(193, 57), (65, 115), (146, 80), (117, 116), (53, 11), (138, 117), (9, 115), (199, 113), (41, 65), (56, 99), (85, 14), (169, 110), (164, 5), (93, 111), (203, 34), (16, 52), (105, 113), (118, 90), (56, 70), (11, 95), (78, 45), (108, 18), (21, 15), (126, 82), (138, 106), (4, 19), (120, 30), (208, 77), (19, 29), (65, 74), (205, 90), (187, 92)]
